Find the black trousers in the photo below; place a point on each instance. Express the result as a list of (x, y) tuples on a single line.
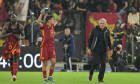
[(112, 65), (98, 58)]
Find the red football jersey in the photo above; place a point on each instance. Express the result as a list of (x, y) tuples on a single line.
[(48, 35)]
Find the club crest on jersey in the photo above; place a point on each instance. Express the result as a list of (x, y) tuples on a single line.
[(51, 33)]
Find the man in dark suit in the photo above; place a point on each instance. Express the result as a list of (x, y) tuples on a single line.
[(98, 44)]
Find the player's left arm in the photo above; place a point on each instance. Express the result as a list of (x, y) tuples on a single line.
[(58, 18), (22, 32)]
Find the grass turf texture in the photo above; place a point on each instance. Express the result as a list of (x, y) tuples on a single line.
[(70, 78)]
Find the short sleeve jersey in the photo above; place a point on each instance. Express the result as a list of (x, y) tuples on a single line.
[(48, 35)]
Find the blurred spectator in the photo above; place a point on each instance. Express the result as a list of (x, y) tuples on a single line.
[(118, 63), (80, 15), (128, 42), (124, 10), (3, 13), (119, 3), (135, 3), (55, 6), (37, 4), (16, 3), (101, 6), (137, 63), (138, 8), (49, 4), (7, 5), (91, 5), (105, 5), (60, 6), (135, 32), (36, 32), (0, 3), (11, 10), (37, 8), (43, 5), (65, 4), (81, 6), (72, 4), (1, 40), (112, 6), (117, 34)]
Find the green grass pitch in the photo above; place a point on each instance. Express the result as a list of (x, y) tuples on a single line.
[(70, 78)]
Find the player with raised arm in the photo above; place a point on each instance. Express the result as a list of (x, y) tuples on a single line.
[(47, 51)]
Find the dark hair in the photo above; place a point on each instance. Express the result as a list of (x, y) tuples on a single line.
[(48, 18)]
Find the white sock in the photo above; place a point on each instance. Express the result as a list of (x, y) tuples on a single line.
[(14, 76)]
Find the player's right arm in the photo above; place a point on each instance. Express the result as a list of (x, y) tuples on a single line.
[(4, 34), (39, 19)]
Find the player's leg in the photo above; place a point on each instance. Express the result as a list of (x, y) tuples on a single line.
[(94, 64), (112, 65), (11, 65), (15, 67), (53, 61), (44, 58), (102, 68), (44, 71)]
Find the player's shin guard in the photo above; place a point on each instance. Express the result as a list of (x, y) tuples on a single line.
[(15, 68), (44, 74), (11, 69), (51, 72)]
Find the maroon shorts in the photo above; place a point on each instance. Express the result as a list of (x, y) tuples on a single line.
[(46, 53)]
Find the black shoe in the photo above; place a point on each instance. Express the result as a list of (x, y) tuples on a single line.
[(90, 78), (100, 81)]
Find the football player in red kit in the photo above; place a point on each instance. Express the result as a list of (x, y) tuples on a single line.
[(47, 46), (12, 31)]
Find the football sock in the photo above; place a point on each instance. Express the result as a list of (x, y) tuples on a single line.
[(51, 72), (15, 68), (44, 74)]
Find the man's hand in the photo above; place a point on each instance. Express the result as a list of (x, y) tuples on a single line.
[(89, 51), (66, 46), (111, 52), (60, 12), (45, 15), (41, 12)]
